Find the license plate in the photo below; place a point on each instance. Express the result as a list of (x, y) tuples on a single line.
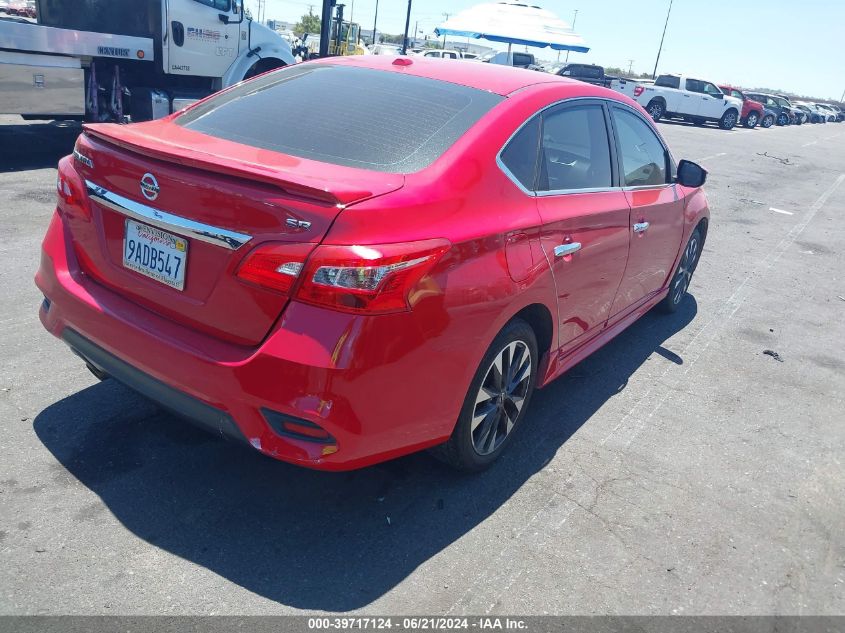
[(155, 253)]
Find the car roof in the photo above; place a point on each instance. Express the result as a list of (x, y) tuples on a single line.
[(495, 78)]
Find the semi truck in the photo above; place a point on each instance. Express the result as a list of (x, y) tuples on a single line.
[(107, 60)]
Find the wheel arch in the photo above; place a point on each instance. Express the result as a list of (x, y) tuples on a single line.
[(539, 318)]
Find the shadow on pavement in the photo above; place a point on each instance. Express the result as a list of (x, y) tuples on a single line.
[(307, 539), (36, 145)]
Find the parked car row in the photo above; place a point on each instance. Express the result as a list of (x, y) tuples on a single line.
[(699, 101), (19, 9)]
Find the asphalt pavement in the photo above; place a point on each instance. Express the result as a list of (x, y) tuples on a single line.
[(680, 470)]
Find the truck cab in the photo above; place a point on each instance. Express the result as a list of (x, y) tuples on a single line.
[(145, 59)]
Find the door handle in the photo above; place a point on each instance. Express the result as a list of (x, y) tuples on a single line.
[(641, 227), (178, 33), (567, 249)]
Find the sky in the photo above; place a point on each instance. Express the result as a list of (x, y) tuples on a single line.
[(782, 44)]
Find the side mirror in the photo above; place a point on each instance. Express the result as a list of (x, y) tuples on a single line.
[(720, 96), (690, 174)]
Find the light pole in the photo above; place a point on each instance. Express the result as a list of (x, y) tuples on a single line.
[(662, 37), (375, 21), (445, 15), (574, 17), (407, 25)]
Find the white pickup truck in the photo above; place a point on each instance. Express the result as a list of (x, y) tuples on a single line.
[(676, 96)]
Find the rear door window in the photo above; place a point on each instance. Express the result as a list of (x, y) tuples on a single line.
[(575, 149), (355, 117), (694, 85)]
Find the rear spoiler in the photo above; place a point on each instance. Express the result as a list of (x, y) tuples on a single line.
[(168, 142)]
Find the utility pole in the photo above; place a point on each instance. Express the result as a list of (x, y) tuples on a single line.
[(630, 65), (407, 26), (416, 31), (662, 37), (574, 17), (445, 15), (375, 21)]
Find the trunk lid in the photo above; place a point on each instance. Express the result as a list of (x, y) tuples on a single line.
[(222, 198)]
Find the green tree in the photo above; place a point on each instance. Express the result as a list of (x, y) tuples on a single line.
[(308, 23)]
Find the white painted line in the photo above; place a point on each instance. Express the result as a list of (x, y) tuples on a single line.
[(714, 156), (781, 211), (808, 144)]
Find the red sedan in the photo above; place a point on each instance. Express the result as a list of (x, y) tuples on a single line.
[(348, 260)]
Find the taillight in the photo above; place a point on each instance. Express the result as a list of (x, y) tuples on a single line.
[(275, 266), (368, 279), (638, 90), (69, 189)]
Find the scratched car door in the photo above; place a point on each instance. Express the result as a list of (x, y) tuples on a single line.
[(584, 216)]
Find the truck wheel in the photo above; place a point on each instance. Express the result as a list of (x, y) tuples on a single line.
[(656, 109), (728, 120), (752, 120)]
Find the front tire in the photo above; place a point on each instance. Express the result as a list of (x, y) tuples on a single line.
[(496, 402), (656, 109), (782, 119), (683, 274), (767, 122), (728, 120)]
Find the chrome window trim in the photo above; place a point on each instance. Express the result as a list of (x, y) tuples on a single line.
[(568, 192), (167, 221), (557, 192)]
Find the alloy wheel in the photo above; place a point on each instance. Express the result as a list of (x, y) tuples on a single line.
[(501, 397), (655, 110), (752, 120), (682, 279)]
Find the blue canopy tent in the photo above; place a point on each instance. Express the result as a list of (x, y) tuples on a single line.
[(514, 23)]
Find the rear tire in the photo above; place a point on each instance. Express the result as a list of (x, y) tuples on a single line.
[(656, 109), (751, 120), (728, 120), (496, 402), (679, 285), (767, 122)]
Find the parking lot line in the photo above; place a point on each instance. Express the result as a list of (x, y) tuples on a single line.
[(781, 211), (714, 156)]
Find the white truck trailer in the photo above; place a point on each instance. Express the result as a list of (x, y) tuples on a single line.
[(103, 60)]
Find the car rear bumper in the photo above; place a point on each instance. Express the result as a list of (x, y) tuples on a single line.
[(307, 369)]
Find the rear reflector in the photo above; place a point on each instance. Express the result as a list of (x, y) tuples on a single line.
[(297, 428)]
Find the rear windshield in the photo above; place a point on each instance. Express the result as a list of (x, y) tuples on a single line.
[(355, 117)]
